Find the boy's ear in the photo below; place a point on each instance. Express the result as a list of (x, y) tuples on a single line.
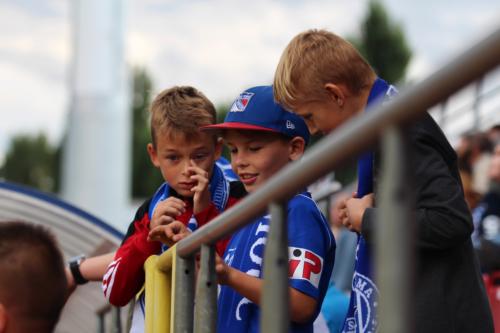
[(218, 148), (296, 148), (153, 155), (336, 92)]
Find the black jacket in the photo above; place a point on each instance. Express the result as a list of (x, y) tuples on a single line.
[(450, 295)]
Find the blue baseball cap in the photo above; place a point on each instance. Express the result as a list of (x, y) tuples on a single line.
[(255, 109)]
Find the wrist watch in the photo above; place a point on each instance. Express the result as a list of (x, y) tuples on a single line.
[(74, 267)]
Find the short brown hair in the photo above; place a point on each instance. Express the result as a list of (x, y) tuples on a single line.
[(180, 110), (32, 279), (314, 58)]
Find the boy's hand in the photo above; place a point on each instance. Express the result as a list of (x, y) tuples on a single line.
[(169, 234), (201, 197), (167, 211), (352, 210), (222, 270)]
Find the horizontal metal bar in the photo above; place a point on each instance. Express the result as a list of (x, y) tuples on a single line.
[(350, 139)]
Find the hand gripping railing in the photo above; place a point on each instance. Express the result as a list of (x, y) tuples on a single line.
[(393, 257)]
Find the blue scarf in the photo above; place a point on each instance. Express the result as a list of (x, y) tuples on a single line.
[(361, 315)]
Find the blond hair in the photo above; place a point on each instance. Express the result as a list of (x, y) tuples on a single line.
[(180, 111), (314, 58)]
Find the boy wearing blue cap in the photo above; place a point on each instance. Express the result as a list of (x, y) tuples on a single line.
[(263, 138)]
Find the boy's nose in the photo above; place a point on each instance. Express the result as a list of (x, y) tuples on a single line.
[(240, 161), (185, 167)]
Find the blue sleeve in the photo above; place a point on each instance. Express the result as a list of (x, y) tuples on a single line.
[(311, 247)]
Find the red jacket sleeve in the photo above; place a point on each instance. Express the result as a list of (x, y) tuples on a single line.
[(125, 275)]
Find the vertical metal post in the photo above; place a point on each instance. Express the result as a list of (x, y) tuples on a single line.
[(101, 323), (205, 311), (183, 295), (116, 319), (275, 316), (477, 105), (394, 236)]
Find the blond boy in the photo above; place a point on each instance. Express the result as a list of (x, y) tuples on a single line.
[(322, 78)]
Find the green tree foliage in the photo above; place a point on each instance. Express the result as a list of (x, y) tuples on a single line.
[(222, 110), (32, 161), (145, 177), (383, 44)]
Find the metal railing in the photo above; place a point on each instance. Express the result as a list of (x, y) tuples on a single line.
[(393, 258)]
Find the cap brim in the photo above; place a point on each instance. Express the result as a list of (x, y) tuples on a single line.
[(235, 125)]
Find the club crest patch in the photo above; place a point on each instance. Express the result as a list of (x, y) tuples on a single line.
[(241, 102), (366, 295)]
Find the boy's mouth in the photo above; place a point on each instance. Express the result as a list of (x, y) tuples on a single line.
[(248, 178), (186, 185)]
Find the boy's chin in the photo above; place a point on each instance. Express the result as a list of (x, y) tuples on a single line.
[(184, 193), (250, 188)]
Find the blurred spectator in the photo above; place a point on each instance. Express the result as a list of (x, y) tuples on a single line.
[(471, 196), (464, 151), (494, 134), (336, 300), (474, 155), (486, 217), (32, 279), (480, 157)]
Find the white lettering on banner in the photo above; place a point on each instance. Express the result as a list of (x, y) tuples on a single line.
[(262, 228)]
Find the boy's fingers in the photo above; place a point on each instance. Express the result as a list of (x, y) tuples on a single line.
[(169, 206), (171, 211), (199, 171), (169, 233), (165, 219), (153, 236), (198, 178), (172, 201)]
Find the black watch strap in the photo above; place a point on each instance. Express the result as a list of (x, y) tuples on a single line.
[(74, 266)]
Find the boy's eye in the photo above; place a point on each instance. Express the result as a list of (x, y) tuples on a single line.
[(200, 156), (255, 148), (172, 157), (233, 150)]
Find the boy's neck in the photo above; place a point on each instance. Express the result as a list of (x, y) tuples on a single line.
[(174, 193), (361, 100)]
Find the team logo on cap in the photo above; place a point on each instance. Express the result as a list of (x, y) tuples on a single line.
[(304, 265), (241, 102)]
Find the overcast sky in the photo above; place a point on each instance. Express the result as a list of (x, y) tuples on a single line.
[(218, 46)]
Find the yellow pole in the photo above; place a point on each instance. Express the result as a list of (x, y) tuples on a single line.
[(158, 286)]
